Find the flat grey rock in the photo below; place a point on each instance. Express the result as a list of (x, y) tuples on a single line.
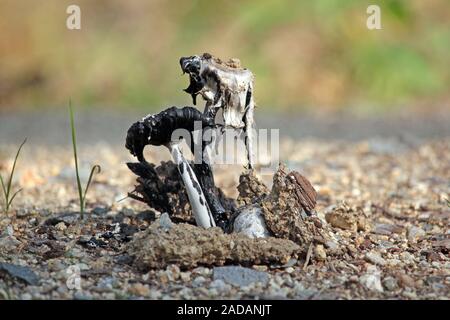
[(67, 217), (239, 276), (20, 272)]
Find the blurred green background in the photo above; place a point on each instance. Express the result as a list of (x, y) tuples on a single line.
[(305, 54)]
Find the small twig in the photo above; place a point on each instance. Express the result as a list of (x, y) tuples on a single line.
[(308, 256), (120, 200)]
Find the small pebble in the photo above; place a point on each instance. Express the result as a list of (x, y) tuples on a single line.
[(198, 282), (320, 253)]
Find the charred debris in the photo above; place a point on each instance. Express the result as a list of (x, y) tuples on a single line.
[(186, 191)]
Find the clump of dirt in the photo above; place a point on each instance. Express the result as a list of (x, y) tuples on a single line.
[(233, 63), (287, 208), (348, 218), (251, 189), (189, 246)]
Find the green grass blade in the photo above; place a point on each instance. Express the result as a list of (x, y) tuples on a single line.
[(4, 191), (12, 198), (8, 189), (75, 155), (94, 168), (3, 185)]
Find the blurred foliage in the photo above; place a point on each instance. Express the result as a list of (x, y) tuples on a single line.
[(303, 53)]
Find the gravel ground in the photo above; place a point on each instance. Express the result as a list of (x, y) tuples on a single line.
[(400, 186)]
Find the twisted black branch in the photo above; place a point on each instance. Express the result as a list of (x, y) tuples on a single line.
[(157, 130)]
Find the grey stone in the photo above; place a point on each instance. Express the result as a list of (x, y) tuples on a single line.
[(386, 229), (371, 279), (165, 222), (9, 243), (20, 272), (10, 230), (100, 211), (81, 296), (240, 276), (332, 245), (390, 283), (68, 218), (147, 215), (251, 222), (26, 296), (22, 213), (198, 282), (292, 262), (220, 285), (407, 257), (375, 258), (414, 233), (384, 244)]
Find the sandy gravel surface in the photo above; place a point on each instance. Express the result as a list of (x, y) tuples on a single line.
[(400, 186)]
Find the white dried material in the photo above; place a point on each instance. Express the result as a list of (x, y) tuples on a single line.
[(372, 279), (250, 222), (224, 86), (234, 85), (200, 208)]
